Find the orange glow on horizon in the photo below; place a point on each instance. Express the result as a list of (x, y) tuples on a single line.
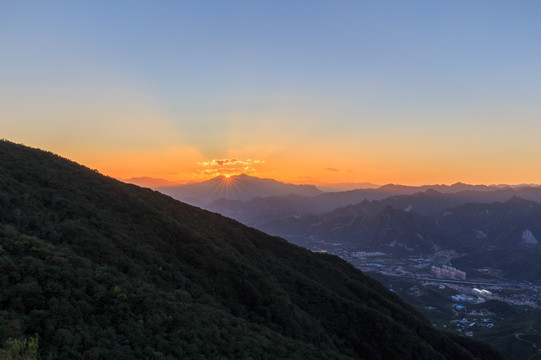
[(183, 164)]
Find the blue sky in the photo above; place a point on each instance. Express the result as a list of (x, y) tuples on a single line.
[(386, 91)]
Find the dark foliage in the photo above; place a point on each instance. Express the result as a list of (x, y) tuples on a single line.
[(101, 269)]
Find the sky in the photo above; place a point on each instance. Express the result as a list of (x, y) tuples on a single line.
[(411, 92)]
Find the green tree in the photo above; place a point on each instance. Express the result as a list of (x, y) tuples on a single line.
[(20, 349)]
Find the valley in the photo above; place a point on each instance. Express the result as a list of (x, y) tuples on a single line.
[(487, 305)]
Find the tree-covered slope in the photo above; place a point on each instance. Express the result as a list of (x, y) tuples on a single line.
[(101, 269)]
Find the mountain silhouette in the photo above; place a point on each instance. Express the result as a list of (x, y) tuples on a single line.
[(237, 188)]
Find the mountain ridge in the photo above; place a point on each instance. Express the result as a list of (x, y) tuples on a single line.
[(236, 187), (375, 225), (246, 188)]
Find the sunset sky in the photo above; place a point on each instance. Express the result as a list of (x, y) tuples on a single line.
[(411, 92)]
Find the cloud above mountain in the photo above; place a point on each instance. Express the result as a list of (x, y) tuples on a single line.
[(229, 166)]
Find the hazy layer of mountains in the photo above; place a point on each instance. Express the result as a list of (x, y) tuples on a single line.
[(98, 269), (476, 220), (395, 217), (245, 188)]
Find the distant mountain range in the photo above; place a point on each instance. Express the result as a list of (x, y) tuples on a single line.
[(403, 219), (265, 211), (236, 188), (246, 198), (95, 268), (376, 225), (149, 182)]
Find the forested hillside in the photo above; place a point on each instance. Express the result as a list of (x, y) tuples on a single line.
[(95, 269)]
